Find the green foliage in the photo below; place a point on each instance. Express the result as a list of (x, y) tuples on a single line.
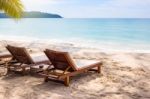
[(34, 14), (12, 8)]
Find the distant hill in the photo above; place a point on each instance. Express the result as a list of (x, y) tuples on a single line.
[(34, 14)]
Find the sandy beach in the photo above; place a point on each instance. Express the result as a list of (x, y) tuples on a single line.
[(125, 75)]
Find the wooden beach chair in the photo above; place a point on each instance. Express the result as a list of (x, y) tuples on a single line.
[(24, 59), (4, 57), (65, 67)]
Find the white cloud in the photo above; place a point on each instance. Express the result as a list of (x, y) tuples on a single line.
[(107, 8), (123, 8), (38, 4), (128, 3)]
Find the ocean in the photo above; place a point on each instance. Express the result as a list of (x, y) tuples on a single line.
[(112, 34)]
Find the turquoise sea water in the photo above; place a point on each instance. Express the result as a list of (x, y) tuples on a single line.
[(121, 31)]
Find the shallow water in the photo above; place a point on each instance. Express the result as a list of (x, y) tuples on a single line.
[(127, 34)]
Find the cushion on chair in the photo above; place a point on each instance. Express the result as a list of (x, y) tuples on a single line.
[(39, 57), (81, 63)]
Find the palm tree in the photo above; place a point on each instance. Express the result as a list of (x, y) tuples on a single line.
[(12, 8)]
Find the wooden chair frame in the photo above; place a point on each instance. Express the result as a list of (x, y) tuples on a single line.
[(68, 70), (23, 58)]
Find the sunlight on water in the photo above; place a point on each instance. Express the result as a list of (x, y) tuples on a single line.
[(121, 32)]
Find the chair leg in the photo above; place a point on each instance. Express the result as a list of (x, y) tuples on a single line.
[(23, 71), (99, 69), (8, 70), (67, 80), (46, 79)]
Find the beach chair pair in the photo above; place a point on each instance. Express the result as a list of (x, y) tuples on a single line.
[(61, 65)]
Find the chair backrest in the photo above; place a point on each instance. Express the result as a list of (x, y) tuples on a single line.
[(11, 52), (20, 54), (60, 60)]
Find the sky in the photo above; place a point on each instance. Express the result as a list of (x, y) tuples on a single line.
[(92, 8)]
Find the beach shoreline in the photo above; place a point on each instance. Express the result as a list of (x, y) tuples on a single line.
[(74, 43)]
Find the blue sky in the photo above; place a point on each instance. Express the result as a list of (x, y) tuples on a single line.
[(92, 8)]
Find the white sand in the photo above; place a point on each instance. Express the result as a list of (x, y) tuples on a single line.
[(124, 76)]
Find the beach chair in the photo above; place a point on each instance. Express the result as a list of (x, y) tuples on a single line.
[(3, 57), (64, 67), (24, 59)]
